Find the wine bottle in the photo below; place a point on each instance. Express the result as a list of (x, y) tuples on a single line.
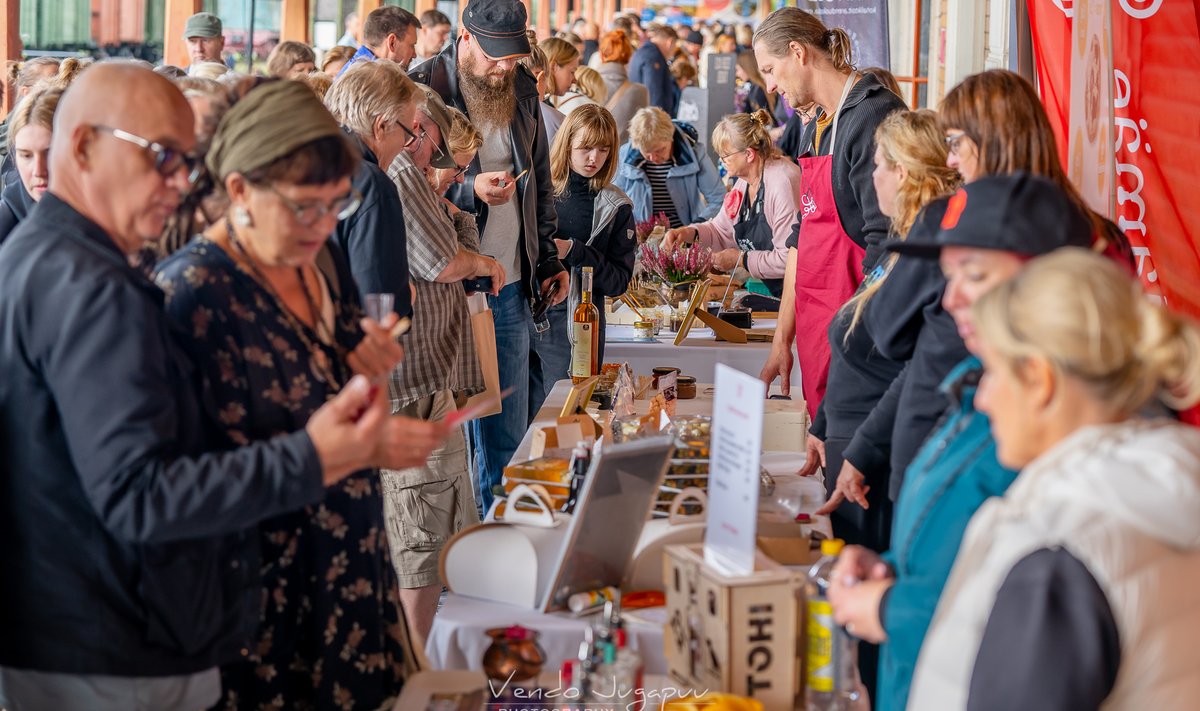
[(585, 334)]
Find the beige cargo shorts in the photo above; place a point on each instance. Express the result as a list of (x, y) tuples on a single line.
[(424, 507)]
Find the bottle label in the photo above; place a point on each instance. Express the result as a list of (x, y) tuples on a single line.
[(581, 350), (820, 645)]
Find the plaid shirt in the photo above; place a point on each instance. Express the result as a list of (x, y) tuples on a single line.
[(439, 349)]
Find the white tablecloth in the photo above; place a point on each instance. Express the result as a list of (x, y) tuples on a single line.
[(698, 355), (458, 639)]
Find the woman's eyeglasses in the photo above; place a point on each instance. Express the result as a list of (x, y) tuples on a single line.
[(954, 141), (167, 161), (309, 213)]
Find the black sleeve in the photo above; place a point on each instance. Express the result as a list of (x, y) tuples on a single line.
[(1051, 642), (614, 267), (374, 242), (546, 260), (870, 450), (793, 239), (8, 221), (817, 429), (107, 353), (789, 141)]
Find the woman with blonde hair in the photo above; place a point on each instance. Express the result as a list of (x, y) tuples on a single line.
[(21, 78), (625, 97), (753, 226), (562, 59), (595, 229), (590, 84), (29, 132), (539, 67), (208, 70), (336, 58), (1076, 589), (291, 60), (665, 169), (910, 176)]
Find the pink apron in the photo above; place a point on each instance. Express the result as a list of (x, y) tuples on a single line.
[(828, 267)]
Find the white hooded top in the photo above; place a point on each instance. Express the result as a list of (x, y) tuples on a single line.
[(1124, 500)]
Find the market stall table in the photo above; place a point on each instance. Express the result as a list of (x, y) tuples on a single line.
[(697, 356), (458, 638)]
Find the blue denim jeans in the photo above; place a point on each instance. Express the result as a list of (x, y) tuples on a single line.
[(550, 360), (494, 439)]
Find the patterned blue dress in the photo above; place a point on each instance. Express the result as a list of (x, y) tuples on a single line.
[(332, 634)]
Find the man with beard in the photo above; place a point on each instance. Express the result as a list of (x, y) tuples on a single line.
[(479, 74)]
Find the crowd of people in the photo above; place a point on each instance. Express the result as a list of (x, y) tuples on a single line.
[(236, 313)]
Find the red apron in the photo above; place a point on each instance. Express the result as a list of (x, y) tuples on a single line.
[(828, 267)]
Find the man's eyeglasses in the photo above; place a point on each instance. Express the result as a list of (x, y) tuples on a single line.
[(412, 137), (309, 213), (954, 140), (167, 161)]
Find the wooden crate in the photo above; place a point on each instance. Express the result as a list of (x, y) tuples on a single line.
[(741, 635)]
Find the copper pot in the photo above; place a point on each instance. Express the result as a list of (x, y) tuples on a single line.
[(513, 655)]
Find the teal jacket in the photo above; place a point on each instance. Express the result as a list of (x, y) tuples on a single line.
[(953, 474)]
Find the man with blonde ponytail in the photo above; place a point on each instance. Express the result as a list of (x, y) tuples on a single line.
[(1076, 589), (841, 230)]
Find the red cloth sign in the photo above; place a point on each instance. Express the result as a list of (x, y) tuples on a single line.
[(1156, 62)]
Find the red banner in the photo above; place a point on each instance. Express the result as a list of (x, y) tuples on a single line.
[(1051, 28), (1156, 62)]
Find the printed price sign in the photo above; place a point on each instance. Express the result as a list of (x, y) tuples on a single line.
[(729, 541)]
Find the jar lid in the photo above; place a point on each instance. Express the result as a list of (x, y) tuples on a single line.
[(643, 324), (685, 380), (832, 546)]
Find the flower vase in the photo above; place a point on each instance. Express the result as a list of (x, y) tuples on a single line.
[(677, 297)]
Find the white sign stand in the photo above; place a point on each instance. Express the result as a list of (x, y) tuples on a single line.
[(733, 480)]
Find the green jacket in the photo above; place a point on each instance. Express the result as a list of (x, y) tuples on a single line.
[(953, 474)]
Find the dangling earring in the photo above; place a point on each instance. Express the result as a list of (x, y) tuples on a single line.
[(241, 216)]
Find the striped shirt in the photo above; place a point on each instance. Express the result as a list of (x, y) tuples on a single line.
[(439, 349), (656, 174)]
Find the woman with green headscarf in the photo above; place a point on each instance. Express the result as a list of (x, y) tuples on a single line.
[(270, 311)]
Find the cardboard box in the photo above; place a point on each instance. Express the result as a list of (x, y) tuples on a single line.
[(565, 433), (741, 635), (789, 550)]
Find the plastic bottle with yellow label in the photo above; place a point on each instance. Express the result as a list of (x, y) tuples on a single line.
[(832, 655)]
